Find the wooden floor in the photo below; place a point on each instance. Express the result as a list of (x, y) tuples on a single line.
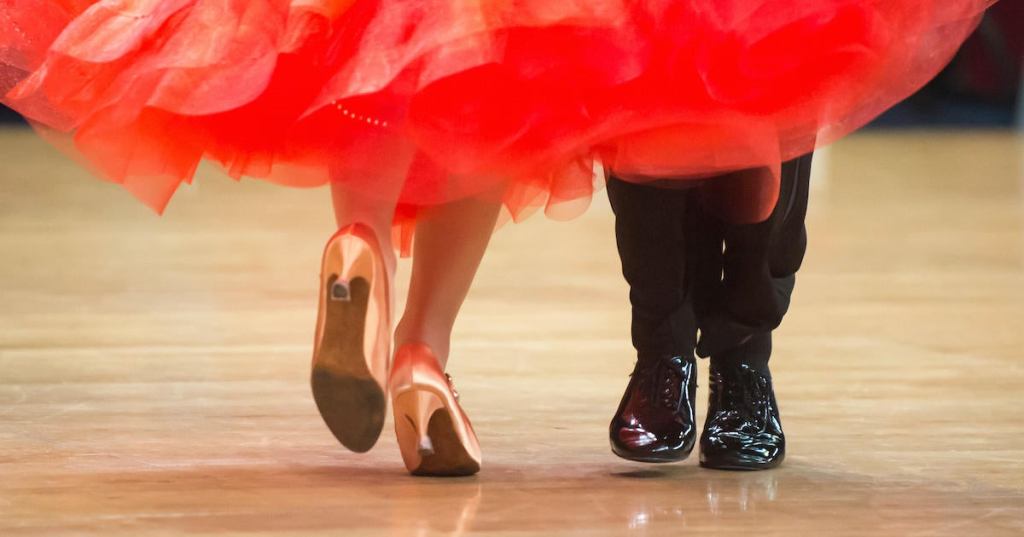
[(153, 371)]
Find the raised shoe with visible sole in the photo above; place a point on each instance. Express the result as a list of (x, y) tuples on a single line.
[(352, 345)]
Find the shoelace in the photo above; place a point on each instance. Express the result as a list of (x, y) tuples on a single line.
[(658, 376), (738, 394)]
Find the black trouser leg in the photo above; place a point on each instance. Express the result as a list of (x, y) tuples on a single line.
[(649, 230), (758, 274), (687, 266)]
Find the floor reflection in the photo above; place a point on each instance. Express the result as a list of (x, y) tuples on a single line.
[(530, 500)]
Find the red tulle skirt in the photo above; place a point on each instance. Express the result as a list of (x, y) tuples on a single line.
[(428, 101)]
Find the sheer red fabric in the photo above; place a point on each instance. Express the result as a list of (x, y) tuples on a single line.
[(517, 98)]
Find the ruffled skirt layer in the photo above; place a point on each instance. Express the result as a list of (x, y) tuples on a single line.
[(429, 101)]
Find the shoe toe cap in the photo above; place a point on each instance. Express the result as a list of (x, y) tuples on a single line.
[(742, 451)]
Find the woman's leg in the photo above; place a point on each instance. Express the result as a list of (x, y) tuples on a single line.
[(355, 207), (373, 207), (353, 330), (449, 244), (434, 433)]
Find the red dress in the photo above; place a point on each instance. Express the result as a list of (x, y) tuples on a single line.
[(515, 97)]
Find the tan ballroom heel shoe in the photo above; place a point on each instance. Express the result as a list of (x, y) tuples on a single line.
[(353, 334), (434, 434)]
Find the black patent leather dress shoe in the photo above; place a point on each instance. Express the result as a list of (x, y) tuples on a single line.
[(655, 421), (742, 430)]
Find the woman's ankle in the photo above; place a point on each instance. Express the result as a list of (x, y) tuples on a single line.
[(439, 341)]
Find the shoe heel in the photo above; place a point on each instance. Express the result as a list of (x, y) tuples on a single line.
[(413, 411), (434, 435)]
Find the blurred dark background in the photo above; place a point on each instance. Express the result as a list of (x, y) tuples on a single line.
[(980, 88)]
